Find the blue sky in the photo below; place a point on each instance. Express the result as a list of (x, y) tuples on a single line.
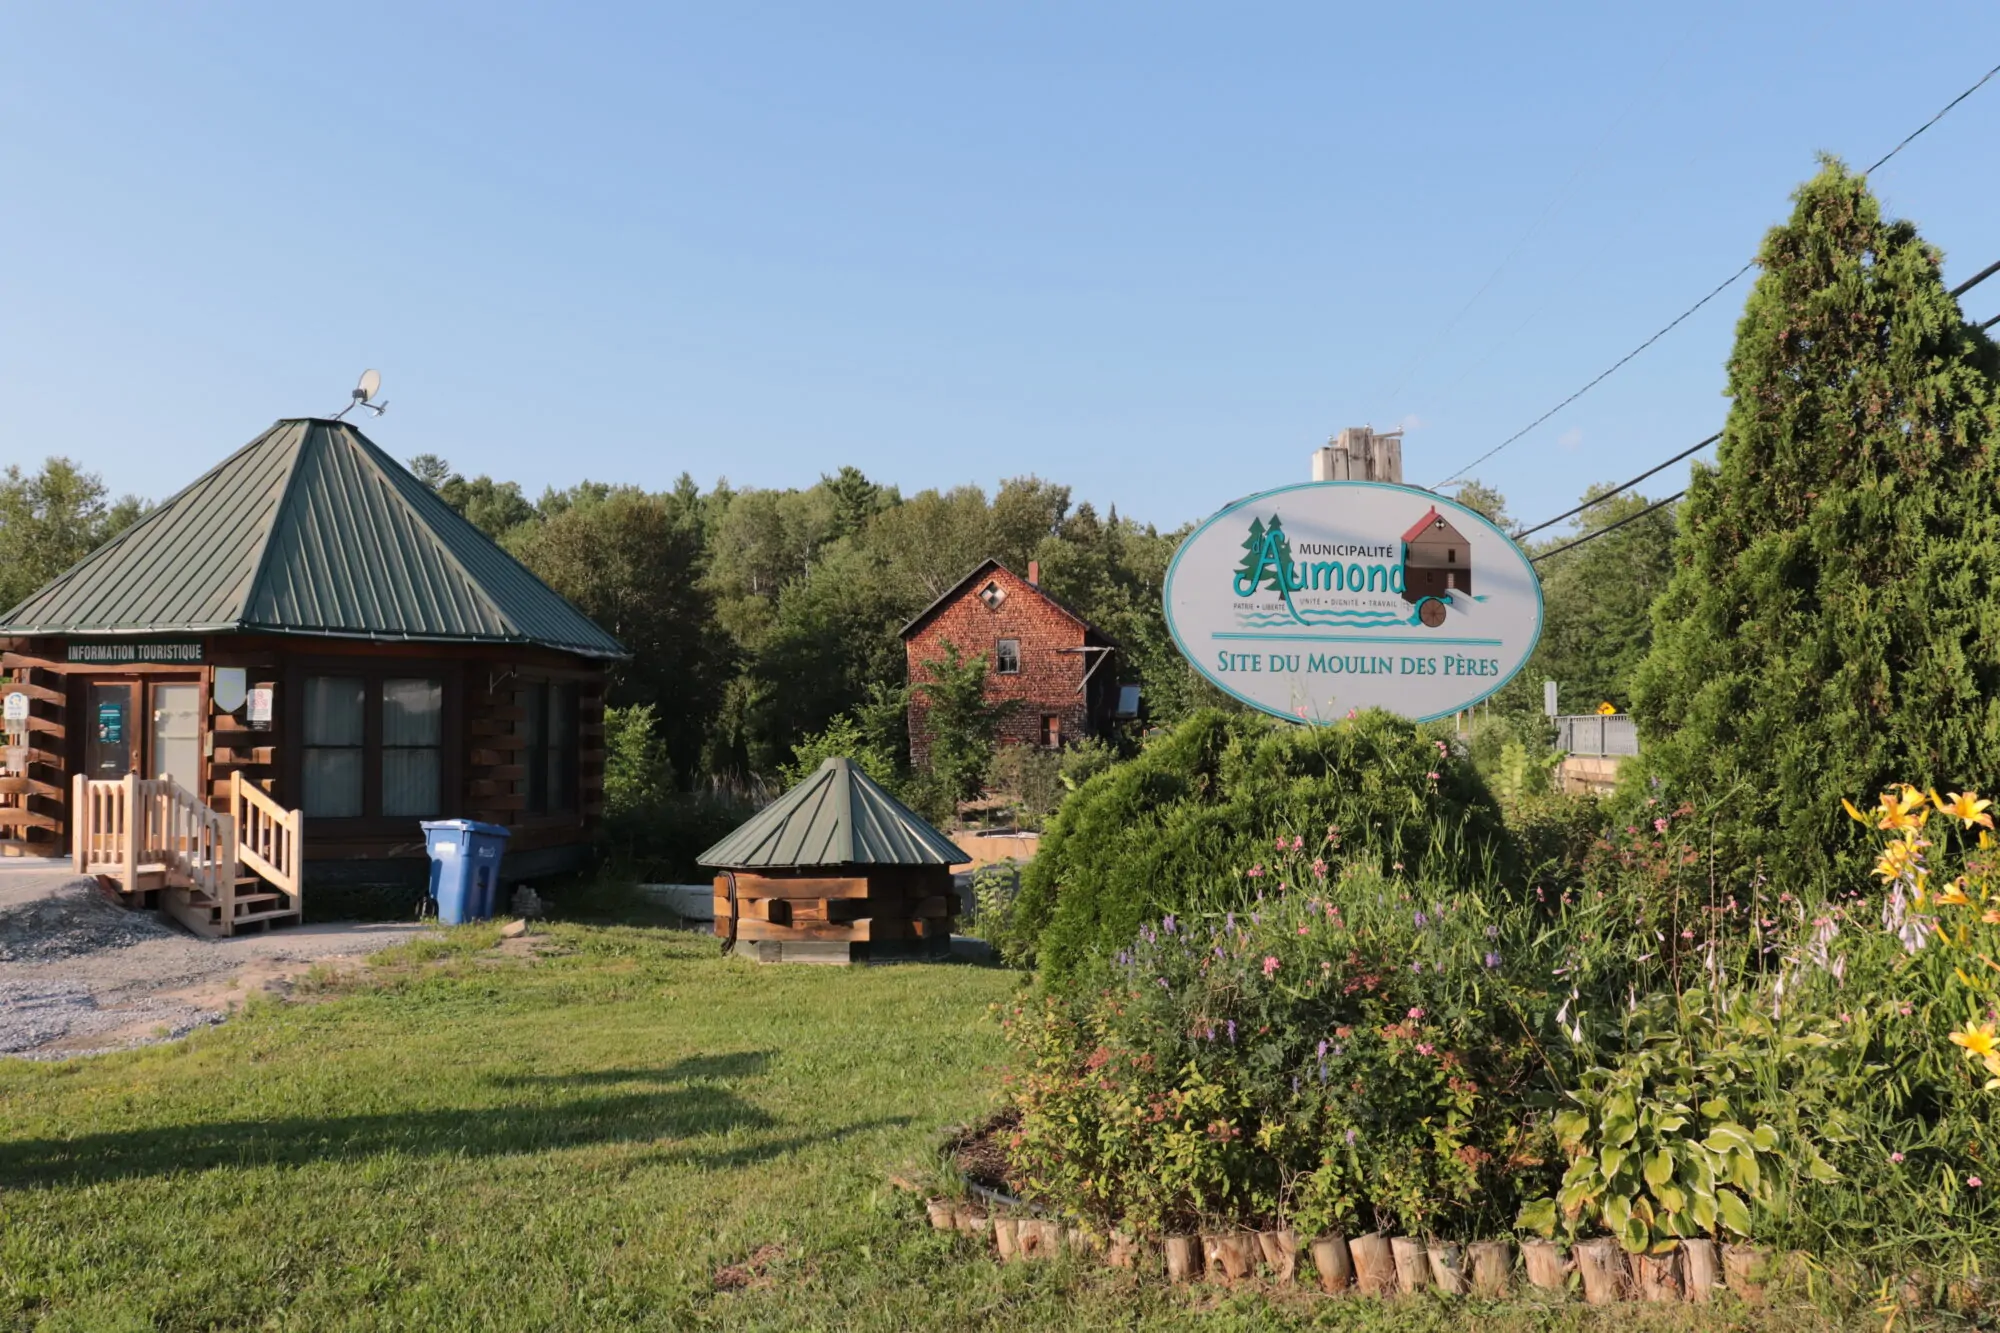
[(1156, 252)]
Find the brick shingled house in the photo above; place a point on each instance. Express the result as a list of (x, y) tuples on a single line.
[(1051, 662)]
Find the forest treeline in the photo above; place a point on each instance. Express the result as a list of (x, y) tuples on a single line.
[(759, 617)]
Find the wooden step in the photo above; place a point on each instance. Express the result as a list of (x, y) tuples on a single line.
[(248, 917)]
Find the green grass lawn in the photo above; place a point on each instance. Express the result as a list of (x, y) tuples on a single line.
[(579, 1142)]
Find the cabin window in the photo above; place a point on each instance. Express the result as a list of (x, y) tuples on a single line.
[(335, 730), (1007, 658), (1051, 730), (1451, 556), (412, 747), (552, 751)]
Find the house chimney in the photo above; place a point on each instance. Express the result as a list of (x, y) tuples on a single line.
[(1034, 573)]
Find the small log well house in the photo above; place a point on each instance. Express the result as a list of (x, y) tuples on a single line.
[(836, 871), (268, 682)]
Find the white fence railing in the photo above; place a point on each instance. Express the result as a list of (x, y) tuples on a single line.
[(1597, 734)]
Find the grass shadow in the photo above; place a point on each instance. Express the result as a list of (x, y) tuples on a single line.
[(677, 1115)]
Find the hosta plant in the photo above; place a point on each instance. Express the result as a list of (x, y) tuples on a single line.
[(1672, 1140)]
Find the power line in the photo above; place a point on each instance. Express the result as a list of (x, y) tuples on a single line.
[(1598, 500), (1726, 284), (1729, 282), (1959, 290), (1976, 278), (1933, 120), (1607, 528)]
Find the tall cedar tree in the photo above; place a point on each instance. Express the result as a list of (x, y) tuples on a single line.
[(1833, 620)]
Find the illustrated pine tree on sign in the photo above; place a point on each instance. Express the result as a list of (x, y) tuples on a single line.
[(1278, 555), (1252, 568)]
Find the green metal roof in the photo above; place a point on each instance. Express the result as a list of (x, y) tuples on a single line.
[(838, 816), (309, 529)]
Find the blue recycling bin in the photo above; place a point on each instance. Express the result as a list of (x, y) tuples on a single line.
[(465, 868)]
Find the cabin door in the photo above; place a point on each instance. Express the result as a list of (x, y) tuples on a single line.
[(175, 742), (111, 742)]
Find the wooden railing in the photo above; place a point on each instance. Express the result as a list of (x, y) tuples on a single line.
[(270, 839), (135, 826)]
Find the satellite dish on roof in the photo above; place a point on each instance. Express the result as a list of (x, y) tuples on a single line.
[(370, 385)]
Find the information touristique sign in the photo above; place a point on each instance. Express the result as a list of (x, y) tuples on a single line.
[(1312, 600), (124, 652)]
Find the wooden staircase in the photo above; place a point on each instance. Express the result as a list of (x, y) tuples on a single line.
[(216, 872)]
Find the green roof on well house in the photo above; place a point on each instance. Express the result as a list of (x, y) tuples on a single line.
[(838, 816), (309, 529)]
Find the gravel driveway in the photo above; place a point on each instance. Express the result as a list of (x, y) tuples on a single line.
[(80, 974)]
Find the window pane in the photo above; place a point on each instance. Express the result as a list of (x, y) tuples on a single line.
[(562, 747), (334, 706), (537, 729), (410, 782), (333, 783), (1007, 660), (412, 712)]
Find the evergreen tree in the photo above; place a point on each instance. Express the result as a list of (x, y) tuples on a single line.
[(1833, 620)]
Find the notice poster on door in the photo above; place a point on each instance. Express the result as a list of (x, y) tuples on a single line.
[(257, 709), (111, 723)]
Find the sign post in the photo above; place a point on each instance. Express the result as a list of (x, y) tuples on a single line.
[(1314, 600), (14, 721)]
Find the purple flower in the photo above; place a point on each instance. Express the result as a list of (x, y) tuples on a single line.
[(1493, 932), (1417, 968), (1322, 1048), (1492, 959), (1350, 1136), (1229, 920), (1164, 986), (1168, 923), (1232, 1032)]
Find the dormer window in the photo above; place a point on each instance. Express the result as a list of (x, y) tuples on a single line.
[(992, 594), (1451, 556)]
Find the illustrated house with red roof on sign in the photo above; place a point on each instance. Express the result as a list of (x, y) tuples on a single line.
[(1437, 562)]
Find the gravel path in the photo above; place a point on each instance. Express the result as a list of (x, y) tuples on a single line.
[(80, 974)]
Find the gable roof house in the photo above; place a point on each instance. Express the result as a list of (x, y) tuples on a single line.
[(307, 627), (1045, 660)]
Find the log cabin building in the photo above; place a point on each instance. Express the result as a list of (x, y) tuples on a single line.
[(267, 682)]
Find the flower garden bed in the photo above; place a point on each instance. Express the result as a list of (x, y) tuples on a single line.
[(1621, 1078)]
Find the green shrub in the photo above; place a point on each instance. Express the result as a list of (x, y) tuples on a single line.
[(1031, 776), (1188, 819), (843, 738)]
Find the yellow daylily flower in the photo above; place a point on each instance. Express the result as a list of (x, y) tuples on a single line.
[(1902, 857), (1900, 813), (1978, 1041), (1966, 807), (1853, 813), (1991, 916), (1954, 896)]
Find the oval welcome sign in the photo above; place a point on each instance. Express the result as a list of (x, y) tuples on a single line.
[(1311, 600)]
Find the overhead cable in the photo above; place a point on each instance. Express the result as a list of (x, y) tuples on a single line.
[(1976, 278), (1600, 499), (1959, 290), (1607, 528), (1727, 283)]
